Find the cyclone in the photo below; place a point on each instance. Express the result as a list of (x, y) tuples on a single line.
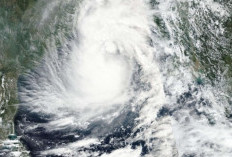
[(111, 88)]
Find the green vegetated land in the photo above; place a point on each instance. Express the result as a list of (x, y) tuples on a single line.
[(14, 57), (207, 39), (205, 36)]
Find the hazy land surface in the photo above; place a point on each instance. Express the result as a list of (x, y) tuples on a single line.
[(25, 35)]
